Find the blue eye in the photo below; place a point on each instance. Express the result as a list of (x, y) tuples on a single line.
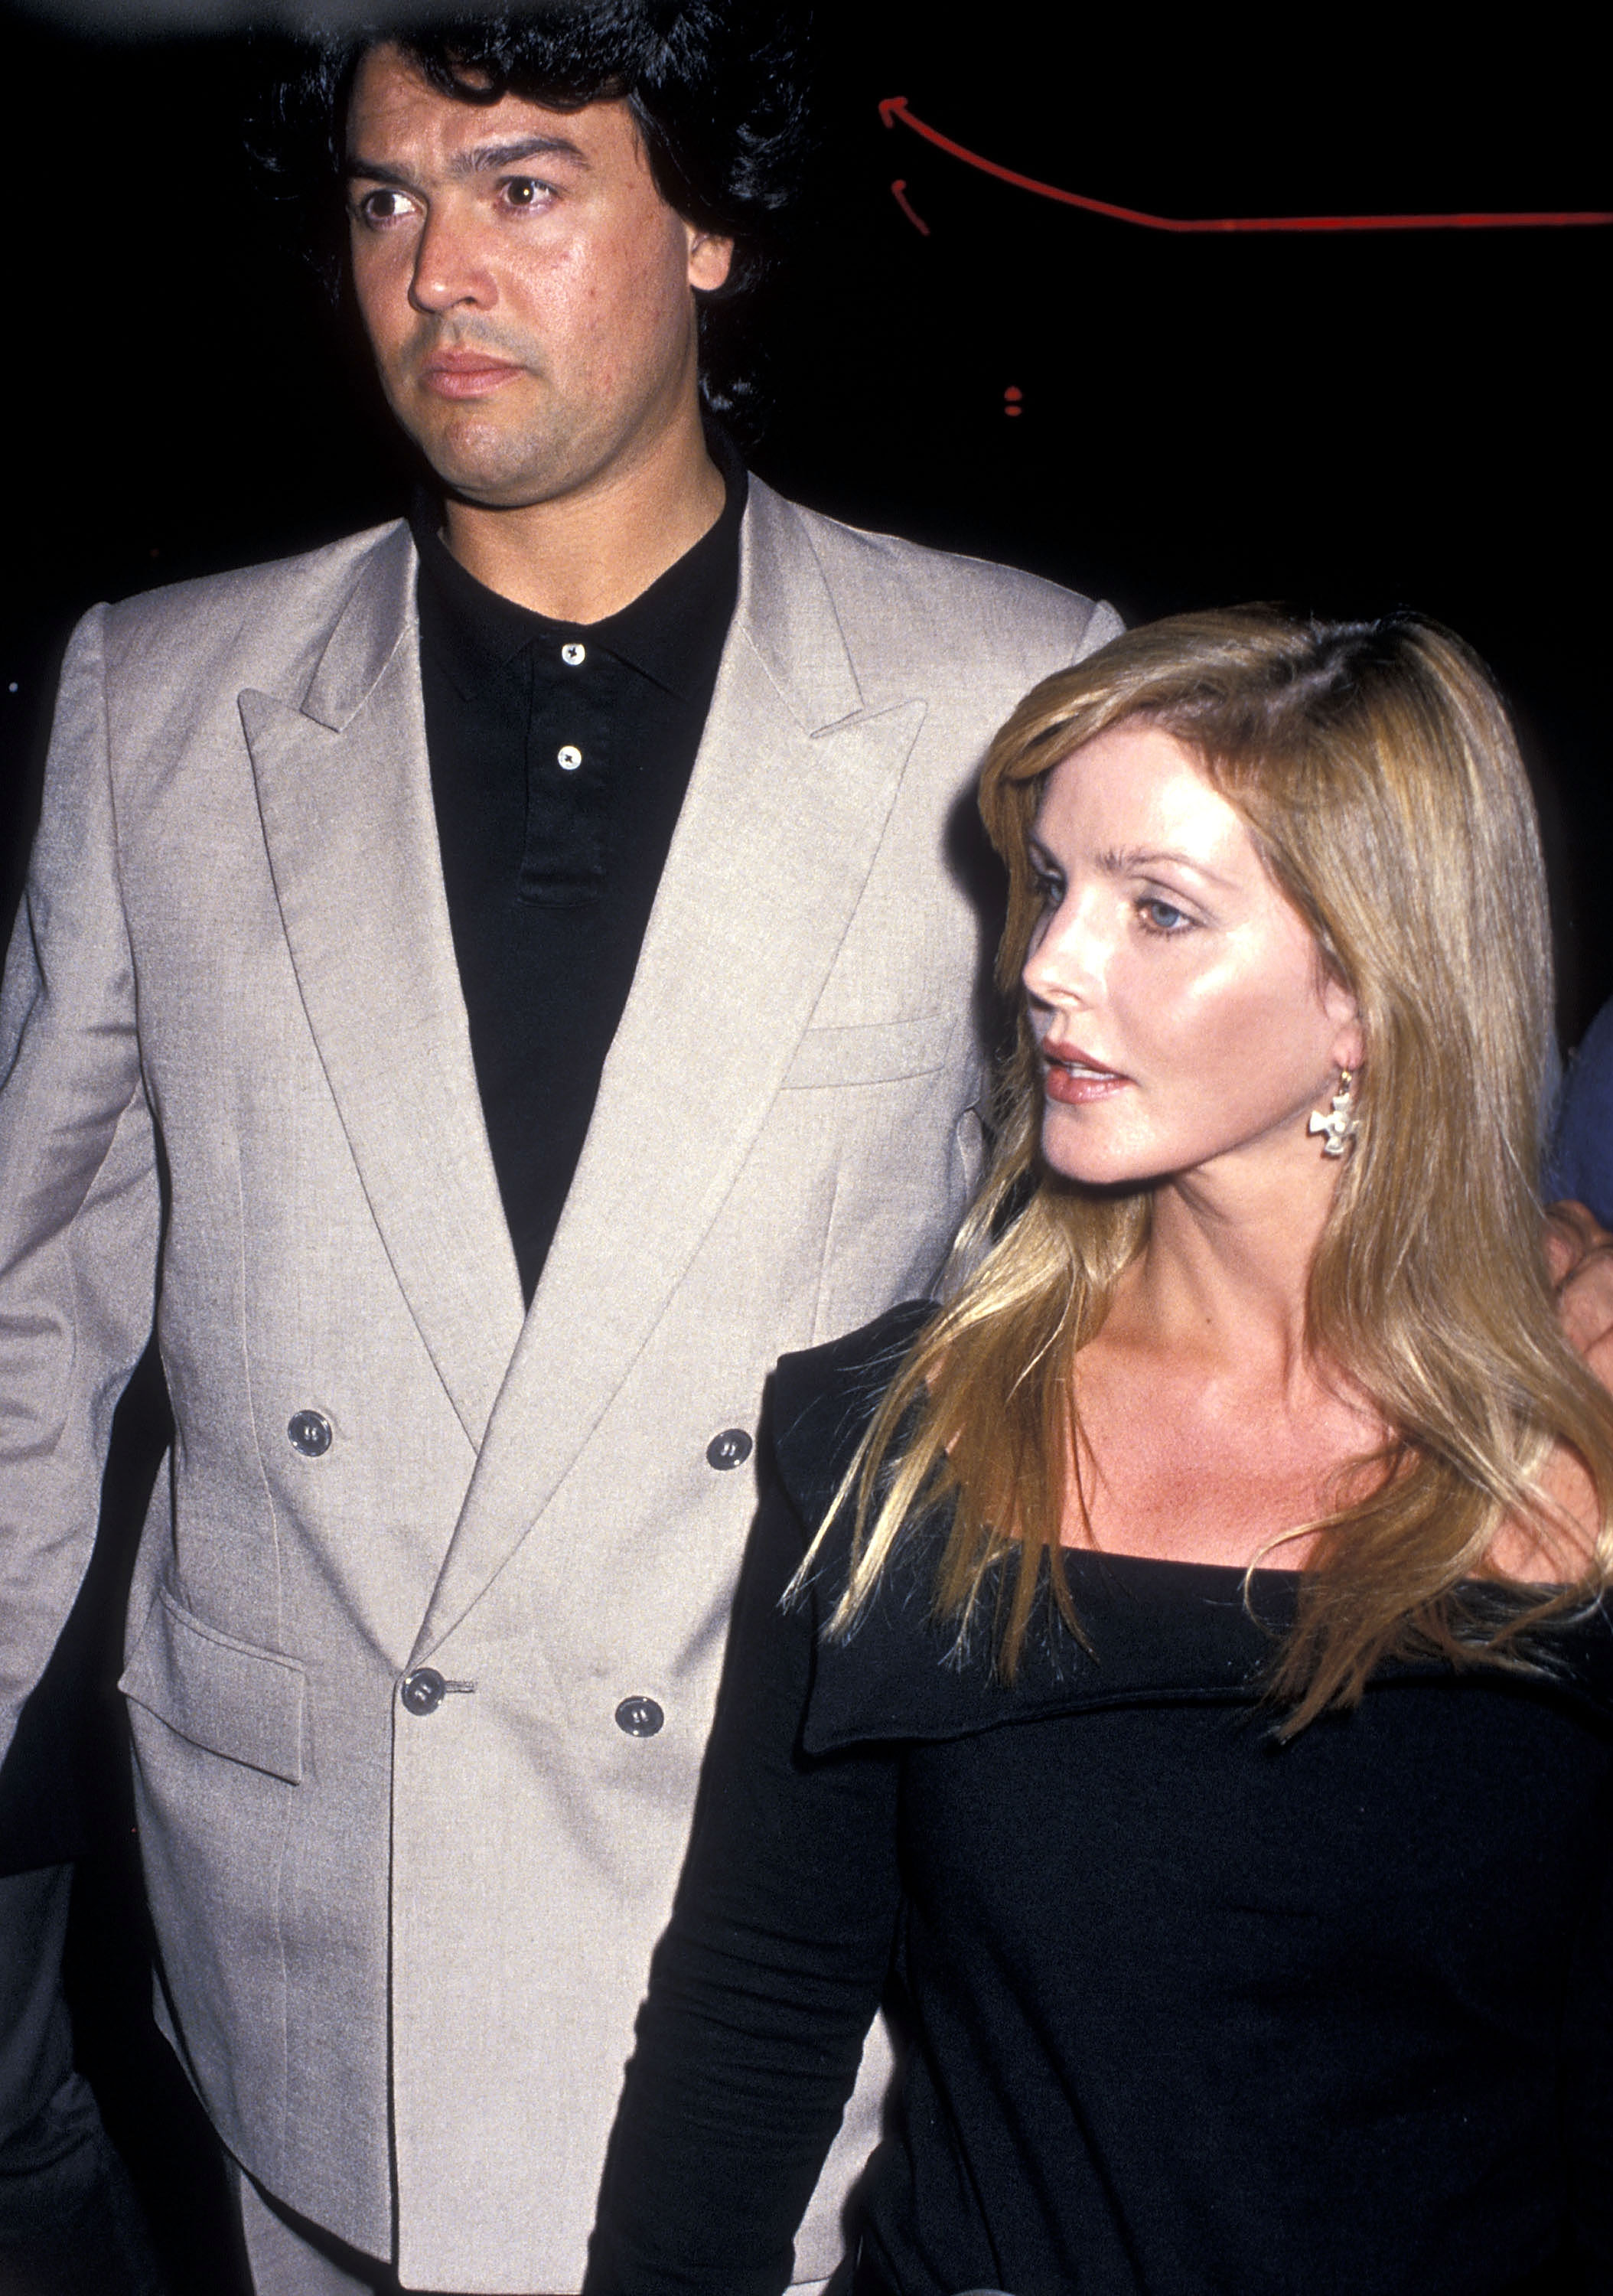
[(1162, 917)]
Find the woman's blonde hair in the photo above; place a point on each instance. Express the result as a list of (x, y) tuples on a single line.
[(1378, 774)]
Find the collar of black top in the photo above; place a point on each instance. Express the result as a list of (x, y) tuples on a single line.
[(666, 633)]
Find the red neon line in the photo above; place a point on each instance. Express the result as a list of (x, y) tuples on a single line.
[(899, 193), (893, 108)]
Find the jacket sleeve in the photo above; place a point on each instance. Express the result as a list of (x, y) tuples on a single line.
[(79, 1209), (766, 1980)]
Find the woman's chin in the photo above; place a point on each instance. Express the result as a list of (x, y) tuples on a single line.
[(1090, 1166), (1091, 1143)]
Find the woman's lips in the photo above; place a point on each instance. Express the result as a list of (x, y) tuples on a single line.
[(1075, 1080), (466, 374)]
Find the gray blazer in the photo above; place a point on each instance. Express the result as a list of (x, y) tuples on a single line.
[(240, 1093)]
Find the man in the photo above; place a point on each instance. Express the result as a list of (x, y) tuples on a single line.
[(487, 991)]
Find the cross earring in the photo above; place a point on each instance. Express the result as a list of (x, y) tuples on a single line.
[(1342, 1124)]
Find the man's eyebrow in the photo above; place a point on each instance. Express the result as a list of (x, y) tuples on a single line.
[(483, 158), (372, 171), (487, 157)]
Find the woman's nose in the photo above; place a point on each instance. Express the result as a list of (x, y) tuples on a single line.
[(1066, 962)]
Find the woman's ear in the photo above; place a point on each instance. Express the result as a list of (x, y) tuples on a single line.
[(1349, 1040)]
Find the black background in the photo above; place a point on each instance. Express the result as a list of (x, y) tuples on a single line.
[(1345, 422), (1342, 422)]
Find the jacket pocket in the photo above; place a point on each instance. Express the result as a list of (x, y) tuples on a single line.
[(881, 1052), (223, 1695)]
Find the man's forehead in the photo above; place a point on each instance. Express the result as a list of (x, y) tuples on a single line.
[(395, 107)]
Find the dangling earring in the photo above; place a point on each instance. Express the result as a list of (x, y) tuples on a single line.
[(1342, 1125)]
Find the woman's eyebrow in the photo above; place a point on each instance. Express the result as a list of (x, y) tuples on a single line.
[(1124, 861)]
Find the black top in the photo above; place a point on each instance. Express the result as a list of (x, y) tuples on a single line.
[(561, 752), (1188, 2011)]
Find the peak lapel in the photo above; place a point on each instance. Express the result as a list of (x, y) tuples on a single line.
[(344, 792), (790, 796)]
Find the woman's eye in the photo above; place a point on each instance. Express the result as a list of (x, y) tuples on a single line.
[(1162, 917), (1049, 890)]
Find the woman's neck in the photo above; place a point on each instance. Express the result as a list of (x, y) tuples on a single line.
[(1224, 1276), (1207, 1428)]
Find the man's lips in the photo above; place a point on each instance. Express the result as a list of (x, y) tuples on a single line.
[(1076, 1079), (466, 374)]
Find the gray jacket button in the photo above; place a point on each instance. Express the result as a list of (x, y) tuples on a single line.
[(640, 1718), (309, 1432), (731, 1448), (423, 1691)]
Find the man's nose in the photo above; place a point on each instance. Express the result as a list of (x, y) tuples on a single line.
[(448, 265)]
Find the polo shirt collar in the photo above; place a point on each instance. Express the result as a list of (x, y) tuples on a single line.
[(667, 634)]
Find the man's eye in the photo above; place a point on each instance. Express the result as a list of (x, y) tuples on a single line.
[(383, 206), (525, 192)]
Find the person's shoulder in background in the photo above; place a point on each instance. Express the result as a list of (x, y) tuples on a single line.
[(1580, 1165)]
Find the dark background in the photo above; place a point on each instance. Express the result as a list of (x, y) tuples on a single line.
[(1345, 422), (1342, 422)]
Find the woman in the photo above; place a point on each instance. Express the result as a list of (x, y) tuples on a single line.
[(1198, 1710)]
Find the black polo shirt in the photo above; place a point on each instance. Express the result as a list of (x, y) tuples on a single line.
[(559, 756)]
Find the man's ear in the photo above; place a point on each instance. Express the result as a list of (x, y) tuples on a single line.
[(710, 258)]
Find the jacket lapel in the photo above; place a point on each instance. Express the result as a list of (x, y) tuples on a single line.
[(344, 791), (790, 795)]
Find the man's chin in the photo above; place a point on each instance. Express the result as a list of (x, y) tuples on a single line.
[(475, 464), (515, 494), (469, 480)]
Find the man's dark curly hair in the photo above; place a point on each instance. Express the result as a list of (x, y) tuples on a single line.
[(717, 88)]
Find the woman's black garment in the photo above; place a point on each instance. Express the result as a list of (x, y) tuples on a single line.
[(1188, 2011)]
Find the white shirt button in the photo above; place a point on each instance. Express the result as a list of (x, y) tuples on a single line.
[(572, 655), (569, 758)]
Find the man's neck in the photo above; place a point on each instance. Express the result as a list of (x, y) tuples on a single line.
[(592, 551)]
